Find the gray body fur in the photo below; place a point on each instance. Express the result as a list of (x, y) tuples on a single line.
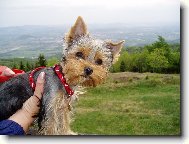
[(17, 90)]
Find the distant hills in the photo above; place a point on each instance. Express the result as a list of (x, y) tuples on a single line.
[(30, 41)]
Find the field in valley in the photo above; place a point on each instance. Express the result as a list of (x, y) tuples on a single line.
[(130, 104)]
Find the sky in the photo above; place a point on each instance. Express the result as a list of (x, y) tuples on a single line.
[(60, 12)]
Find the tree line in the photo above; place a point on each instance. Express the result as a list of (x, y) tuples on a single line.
[(28, 64), (159, 57)]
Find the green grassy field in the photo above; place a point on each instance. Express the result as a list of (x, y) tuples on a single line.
[(131, 104)]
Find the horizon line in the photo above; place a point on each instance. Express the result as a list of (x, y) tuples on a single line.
[(92, 24)]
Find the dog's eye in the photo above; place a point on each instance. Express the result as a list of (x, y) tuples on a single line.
[(79, 55), (98, 61)]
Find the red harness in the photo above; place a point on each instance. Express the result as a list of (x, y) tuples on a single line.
[(31, 78), (57, 69)]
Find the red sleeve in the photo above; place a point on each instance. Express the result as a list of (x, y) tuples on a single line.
[(5, 78)]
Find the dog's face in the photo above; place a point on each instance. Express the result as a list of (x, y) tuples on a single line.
[(86, 60)]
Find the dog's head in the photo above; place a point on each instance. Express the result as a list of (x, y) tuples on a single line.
[(86, 60)]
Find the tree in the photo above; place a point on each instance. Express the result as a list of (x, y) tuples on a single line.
[(32, 66), (141, 61), (41, 61), (122, 66), (174, 64), (28, 66), (157, 61), (123, 57), (15, 66), (22, 67), (133, 62), (160, 43), (158, 57)]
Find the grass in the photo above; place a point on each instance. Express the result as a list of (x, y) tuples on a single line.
[(131, 104)]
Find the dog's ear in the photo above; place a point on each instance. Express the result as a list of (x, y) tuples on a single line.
[(79, 29), (115, 49)]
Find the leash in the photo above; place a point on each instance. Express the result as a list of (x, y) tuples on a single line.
[(58, 70)]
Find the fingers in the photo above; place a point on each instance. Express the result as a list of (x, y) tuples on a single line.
[(7, 72), (39, 85), (2, 68), (32, 105)]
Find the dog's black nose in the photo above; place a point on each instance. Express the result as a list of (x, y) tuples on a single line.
[(88, 71)]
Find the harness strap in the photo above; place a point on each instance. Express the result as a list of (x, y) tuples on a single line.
[(31, 77), (58, 70)]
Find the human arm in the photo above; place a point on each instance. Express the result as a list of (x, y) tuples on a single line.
[(25, 116)]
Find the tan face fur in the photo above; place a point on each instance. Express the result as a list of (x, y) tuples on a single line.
[(86, 60)]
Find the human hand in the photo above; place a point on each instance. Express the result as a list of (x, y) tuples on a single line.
[(5, 71), (32, 105), (25, 116)]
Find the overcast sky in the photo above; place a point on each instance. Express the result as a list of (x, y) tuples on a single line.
[(59, 12)]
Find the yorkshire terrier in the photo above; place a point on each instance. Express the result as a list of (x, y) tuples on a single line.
[(85, 62)]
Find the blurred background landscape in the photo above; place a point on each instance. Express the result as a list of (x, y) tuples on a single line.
[(30, 41)]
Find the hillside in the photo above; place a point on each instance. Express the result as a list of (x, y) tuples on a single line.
[(29, 41)]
